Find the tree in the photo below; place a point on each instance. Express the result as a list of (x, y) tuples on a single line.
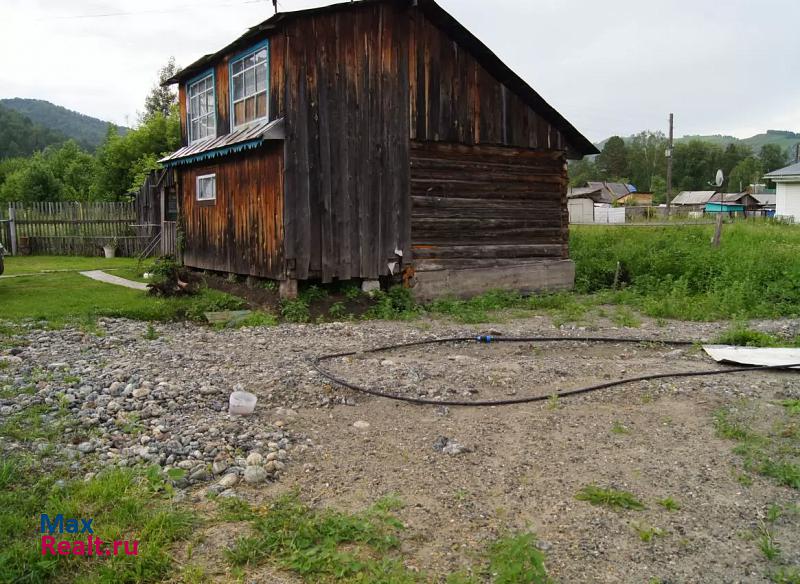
[(161, 99), (659, 189), (34, 182), (646, 159), (120, 158), (772, 157), (695, 163), (63, 173), (613, 160), (581, 171), (747, 172)]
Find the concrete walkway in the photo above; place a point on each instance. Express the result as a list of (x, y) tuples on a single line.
[(101, 276)]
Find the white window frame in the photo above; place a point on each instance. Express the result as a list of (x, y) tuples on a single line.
[(210, 117), (243, 75), (201, 178)]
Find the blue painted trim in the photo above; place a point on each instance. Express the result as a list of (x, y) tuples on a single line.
[(210, 71), (238, 57), (216, 153), (199, 76)]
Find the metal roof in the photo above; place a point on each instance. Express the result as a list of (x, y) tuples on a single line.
[(447, 23), (790, 171), (615, 190), (765, 199), (597, 194), (693, 197), (245, 138)]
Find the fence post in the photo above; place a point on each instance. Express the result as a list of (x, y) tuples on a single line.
[(12, 228)]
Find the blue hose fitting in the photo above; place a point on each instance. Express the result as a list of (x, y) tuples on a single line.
[(485, 339)]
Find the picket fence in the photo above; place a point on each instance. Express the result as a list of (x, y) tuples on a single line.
[(71, 228)]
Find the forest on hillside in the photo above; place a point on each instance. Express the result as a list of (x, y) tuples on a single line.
[(87, 131), (62, 169), (641, 161)]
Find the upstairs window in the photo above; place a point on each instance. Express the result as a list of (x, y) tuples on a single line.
[(249, 92), (207, 188), (202, 112)]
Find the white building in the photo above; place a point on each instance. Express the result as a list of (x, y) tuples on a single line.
[(787, 199)]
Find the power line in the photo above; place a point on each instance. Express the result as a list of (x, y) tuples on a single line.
[(157, 11)]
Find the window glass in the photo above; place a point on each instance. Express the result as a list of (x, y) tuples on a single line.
[(202, 122), (249, 87), (207, 187)]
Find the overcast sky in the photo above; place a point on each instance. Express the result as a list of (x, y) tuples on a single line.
[(610, 67)]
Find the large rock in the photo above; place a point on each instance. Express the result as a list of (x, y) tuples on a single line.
[(255, 475)]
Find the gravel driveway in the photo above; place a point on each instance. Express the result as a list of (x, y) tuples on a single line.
[(134, 400)]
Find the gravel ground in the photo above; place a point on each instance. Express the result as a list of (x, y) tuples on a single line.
[(466, 475)]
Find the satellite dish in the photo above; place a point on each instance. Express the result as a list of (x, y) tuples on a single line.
[(720, 179)]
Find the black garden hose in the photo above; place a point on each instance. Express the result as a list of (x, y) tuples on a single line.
[(487, 339)]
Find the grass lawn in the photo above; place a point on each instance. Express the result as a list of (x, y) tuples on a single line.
[(64, 297), (35, 264)]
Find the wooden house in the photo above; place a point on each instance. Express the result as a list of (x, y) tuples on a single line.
[(370, 140)]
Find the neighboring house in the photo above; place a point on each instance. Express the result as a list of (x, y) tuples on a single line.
[(581, 202), (369, 140), (693, 200), (636, 199), (613, 190), (596, 195), (787, 191), (766, 202), (732, 203)]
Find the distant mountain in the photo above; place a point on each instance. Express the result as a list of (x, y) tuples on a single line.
[(19, 136), (784, 138), (87, 131)]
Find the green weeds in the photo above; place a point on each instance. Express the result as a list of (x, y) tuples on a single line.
[(609, 498), (323, 545), (669, 504), (515, 559), (673, 272), (124, 504), (647, 532), (773, 453)]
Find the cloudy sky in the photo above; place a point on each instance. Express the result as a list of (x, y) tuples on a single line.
[(611, 67)]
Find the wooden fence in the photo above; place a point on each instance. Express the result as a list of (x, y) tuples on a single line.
[(70, 228)]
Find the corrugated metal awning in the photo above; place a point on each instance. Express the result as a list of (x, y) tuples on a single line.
[(245, 138)]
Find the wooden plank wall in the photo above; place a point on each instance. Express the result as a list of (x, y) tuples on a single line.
[(477, 205), (242, 232), (454, 99), (347, 165), (68, 228)]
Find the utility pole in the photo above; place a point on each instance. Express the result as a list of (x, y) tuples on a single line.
[(669, 166)]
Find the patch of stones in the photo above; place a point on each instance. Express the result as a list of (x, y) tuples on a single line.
[(112, 413)]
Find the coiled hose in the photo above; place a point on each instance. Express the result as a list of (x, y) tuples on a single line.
[(488, 339)]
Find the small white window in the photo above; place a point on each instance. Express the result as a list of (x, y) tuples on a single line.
[(207, 187)]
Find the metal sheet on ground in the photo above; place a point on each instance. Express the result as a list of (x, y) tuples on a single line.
[(753, 356)]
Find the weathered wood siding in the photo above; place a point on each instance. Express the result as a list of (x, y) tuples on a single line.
[(347, 124), (242, 232), (475, 205), (455, 99)]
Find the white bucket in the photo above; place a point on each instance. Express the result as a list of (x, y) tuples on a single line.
[(242, 403)]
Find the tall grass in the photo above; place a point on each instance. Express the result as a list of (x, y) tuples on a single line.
[(674, 272)]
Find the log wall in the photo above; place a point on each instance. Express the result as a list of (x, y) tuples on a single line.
[(480, 205)]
